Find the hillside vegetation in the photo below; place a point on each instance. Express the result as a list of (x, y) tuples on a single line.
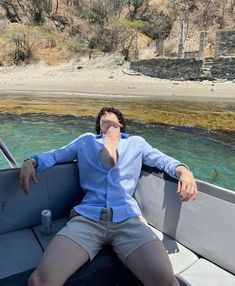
[(54, 31)]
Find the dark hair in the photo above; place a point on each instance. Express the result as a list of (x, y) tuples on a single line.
[(117, 112)]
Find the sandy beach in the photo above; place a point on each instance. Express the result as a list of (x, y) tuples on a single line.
[(103, 77)]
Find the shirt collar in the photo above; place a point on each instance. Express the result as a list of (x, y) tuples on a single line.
[(123, 136)]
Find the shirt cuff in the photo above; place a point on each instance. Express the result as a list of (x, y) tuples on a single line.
[(38, 167)]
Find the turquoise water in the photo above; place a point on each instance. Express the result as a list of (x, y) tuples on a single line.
[(211, 156)]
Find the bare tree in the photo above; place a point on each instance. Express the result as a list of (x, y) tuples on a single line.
[(233, 5), (56, 6), (23, 49), (126, 40)]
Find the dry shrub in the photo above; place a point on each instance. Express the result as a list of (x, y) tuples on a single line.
[(170, 48), (52, 56), (161, 5), (23, 48), (51, 43), (143, 41)]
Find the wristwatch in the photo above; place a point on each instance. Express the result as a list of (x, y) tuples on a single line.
[(33, 161)]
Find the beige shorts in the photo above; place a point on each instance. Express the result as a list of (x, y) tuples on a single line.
[(124, 237)]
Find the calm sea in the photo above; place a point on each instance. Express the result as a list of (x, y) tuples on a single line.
[(210, 155)]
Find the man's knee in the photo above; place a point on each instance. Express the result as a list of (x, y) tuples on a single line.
[(165, 280), (161, 277), (161, 281), (169, 281), (33, 280), (38, 280)]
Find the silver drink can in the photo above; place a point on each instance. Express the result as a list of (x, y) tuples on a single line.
[(46, 222)]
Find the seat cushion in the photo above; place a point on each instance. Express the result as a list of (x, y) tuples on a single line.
[(204, 273), (20, 252), (181, 258)]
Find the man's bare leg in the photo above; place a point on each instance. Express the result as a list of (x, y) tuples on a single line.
[(62, 257), (151, 264)]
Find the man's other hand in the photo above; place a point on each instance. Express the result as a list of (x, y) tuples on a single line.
[(187, 187), (26, 173)]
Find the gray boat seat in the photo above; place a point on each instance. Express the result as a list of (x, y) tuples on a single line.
[(20, 247), (195, 225), (204, 273), (206, 226)]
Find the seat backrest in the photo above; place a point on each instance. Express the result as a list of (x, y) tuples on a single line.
[(58, 189), (206, 225)]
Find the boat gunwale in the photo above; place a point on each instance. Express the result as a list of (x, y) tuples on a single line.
[(203, 187)]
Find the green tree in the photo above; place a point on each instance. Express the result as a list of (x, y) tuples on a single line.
[(137, 7), (44, 5), (96, 12), (157, 25), (103, 11), (41, 7)]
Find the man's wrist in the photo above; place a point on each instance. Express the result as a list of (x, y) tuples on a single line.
[(33, 161), (180, 169)]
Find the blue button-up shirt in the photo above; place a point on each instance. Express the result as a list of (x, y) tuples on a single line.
[(104, 187)]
